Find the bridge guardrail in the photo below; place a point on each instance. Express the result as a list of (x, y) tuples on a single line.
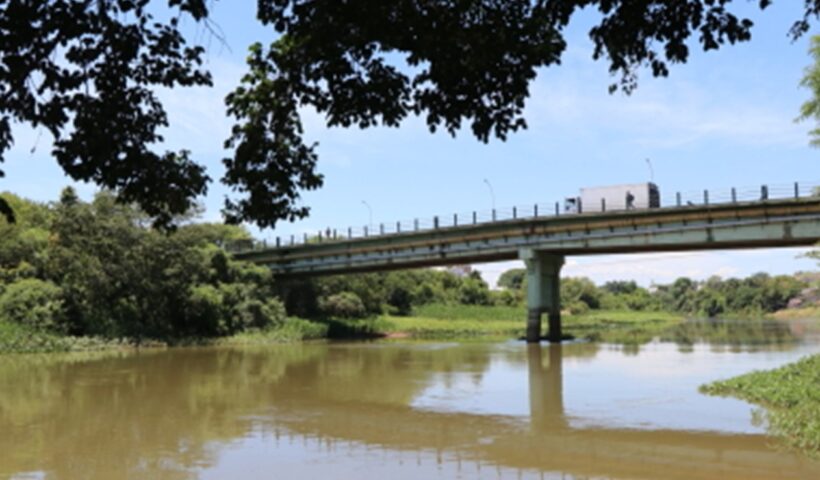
[(680, 199)]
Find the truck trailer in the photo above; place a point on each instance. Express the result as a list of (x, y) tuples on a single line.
[(631, 196)]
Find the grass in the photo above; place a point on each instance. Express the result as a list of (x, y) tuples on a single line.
[(16, 338), (293, 330), (471, 312), (462, 321), (435, 321), (797, 313), (426, 327), (790, 396)]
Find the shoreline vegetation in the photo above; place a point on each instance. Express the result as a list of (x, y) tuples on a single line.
[(789, 398), (432, 322)]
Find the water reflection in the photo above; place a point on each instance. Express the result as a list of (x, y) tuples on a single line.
[(175, 414), (737, 334), (546, 387), (734, 335)]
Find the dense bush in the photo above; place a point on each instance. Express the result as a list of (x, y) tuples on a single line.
[(395, 292), (95, 268), (254, 313), (342, 305), (512, 279), (34, 303), (575, 290), (473, 291), (507, 297)]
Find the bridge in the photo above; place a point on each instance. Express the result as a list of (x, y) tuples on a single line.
[(776, 217)]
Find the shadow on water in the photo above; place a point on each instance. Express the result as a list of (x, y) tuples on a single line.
[(169, 414)]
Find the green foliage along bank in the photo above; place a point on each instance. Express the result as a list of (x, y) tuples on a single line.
[(97, 269), (462, 321), (790, 396), (404, 293)]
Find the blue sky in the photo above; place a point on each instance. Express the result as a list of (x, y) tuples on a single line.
[(723, 119)]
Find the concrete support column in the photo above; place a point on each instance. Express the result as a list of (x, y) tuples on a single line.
[(543, 293)]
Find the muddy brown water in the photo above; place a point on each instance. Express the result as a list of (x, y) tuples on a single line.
[(397, 409)]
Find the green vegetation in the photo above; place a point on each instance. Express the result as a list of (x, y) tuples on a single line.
[(78, 275), (755, 296), (416, 292), (810, 110), (790, 396), (94, 269), (16, 338), (291, 330), (453, 321), (798, 313)]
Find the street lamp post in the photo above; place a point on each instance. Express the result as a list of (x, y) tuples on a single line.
[(369, 213), (492, 193)]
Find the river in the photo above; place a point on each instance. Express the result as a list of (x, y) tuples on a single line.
[(401, 410)]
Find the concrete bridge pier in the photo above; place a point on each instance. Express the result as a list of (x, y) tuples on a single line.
[(543, 293)]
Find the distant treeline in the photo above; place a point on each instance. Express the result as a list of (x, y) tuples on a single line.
[(398, 292), (754, 295), (98, 269)]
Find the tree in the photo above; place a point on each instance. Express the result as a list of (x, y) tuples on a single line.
[(34, 303), (474, 291), (618, 287), (26, 238), (512, 279), (811, 80), (86, 72), (580, 289), (94, 268), (709, 302), (343, 305)]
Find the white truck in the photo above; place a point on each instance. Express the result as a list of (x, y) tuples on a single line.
[(614, 197)]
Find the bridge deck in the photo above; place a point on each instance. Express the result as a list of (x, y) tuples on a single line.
[(773, 223)]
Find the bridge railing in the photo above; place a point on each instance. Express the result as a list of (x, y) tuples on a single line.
[(679, 199)]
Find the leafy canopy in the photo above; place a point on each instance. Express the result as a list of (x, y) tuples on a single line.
[(811, 80), (86, 72)]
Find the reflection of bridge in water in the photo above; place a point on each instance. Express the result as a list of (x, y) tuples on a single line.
[(547, 442), (170, 414)]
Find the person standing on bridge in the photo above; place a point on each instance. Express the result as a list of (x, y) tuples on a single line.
[(630, 200)]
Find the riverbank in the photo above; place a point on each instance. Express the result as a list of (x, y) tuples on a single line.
[(790, 396), (16, 338), (458, 321), (428, 322), (797, 313), (447, 322), (437, 321)]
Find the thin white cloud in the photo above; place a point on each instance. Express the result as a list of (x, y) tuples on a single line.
[(668, 115)]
